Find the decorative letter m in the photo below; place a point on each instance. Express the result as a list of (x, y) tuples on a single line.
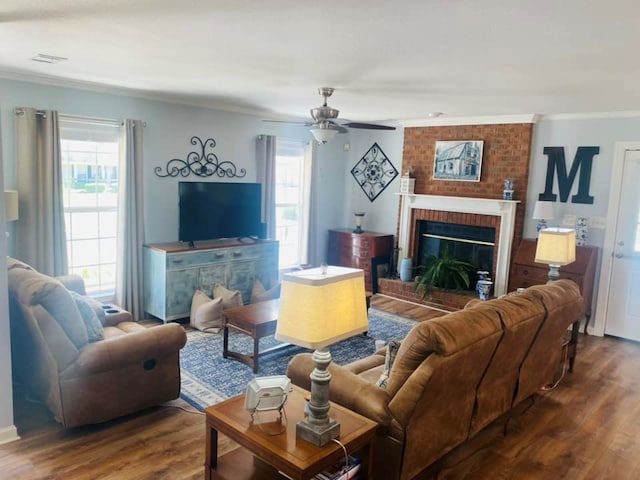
[(583, 161)]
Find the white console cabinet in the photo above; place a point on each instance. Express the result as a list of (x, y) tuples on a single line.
[(173, 272)]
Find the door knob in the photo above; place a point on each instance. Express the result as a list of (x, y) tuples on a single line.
[(619, 255)]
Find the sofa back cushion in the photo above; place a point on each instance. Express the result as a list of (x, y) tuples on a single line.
[(521, 317), (37, 289), (563, 305), (433, 382), (443, 336)]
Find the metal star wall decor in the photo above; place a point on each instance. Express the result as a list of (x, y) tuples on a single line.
[(374, 172)]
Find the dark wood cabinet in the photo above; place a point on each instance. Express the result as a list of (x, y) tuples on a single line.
[(369, 251), (525, 272)]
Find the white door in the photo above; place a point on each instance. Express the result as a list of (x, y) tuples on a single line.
[(623, 312)]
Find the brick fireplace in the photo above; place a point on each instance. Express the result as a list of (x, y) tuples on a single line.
[(499, 214), (506, 154)]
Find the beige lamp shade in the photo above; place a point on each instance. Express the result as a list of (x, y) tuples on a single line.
[(543, 210), (556, 246), (10, 205), (319, 306)]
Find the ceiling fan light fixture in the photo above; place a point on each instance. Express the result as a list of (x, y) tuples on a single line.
[(323, 135)]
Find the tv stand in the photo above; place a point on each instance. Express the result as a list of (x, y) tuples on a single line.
[(174, 271)]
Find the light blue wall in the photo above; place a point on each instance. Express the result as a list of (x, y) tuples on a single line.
[(571, 134), (381, 215), (167, 134)]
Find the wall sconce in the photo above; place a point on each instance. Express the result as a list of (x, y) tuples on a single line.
[(10, 207)]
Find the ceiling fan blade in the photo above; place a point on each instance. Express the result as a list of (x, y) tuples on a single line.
[(308, 124), (336, 126), (369, 126)]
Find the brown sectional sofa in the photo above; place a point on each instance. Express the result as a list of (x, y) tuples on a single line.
[(454, 375), (81, 381)]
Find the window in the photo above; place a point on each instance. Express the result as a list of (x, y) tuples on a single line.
[(292, 184), (90, 166)]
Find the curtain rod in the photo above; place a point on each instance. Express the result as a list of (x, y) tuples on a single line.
[(90, 120), (79, 119), (93, 120)]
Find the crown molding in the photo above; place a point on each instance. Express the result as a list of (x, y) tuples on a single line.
[(478, 120), (591, 115), (127, 92)]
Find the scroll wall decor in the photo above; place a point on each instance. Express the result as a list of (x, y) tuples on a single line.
[(203, 163)]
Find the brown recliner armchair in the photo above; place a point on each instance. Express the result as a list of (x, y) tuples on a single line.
[(83, 381)]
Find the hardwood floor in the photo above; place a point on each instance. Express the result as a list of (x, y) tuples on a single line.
[(588, 427)]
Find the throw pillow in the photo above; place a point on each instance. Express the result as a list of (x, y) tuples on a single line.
[(259, 294), (95, 330), (206, 313), (392, 351), (230, 298)]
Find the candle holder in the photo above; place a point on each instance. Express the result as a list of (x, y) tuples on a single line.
[(359, 217)]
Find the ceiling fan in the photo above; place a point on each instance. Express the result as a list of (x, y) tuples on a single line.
[(325, 120)]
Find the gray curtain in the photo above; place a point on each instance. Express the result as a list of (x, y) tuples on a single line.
[(266, 159), (40, 233), (129, 279)]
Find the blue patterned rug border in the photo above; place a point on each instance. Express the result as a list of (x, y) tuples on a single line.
[(207, 378)]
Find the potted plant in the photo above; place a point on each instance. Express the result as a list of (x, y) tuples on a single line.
[(444, 272)]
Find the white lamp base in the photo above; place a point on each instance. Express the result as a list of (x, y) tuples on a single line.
[(317, 427), (554, 272)]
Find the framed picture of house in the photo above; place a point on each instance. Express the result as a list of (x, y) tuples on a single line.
[(459, 160)]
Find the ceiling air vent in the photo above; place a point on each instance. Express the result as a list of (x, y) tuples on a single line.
[(43, 58)]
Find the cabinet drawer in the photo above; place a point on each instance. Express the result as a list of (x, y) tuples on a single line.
[(533, 274), (180, 260)]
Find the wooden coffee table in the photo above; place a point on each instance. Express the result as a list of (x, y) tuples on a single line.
[(257, 320), (272, 447)]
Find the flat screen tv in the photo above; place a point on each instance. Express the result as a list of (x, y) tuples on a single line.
[(213, 210)]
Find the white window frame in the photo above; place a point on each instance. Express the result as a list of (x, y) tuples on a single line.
[(92, 131), (304, 149)]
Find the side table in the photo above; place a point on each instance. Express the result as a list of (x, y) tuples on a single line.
[(271, 452)]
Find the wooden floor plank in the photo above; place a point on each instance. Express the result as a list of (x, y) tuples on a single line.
[(588, 427)]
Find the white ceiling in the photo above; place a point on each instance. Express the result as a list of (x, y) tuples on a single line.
[(387, 60)]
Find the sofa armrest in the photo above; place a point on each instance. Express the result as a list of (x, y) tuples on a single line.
[(346, 388), (145, 347)]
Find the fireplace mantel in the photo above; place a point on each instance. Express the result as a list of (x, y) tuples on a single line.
[(505, 209)]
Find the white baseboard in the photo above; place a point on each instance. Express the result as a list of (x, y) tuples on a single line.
[(8, 434)]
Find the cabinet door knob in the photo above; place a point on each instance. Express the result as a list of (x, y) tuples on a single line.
[(237, 253), (525, 272), (219, 255)]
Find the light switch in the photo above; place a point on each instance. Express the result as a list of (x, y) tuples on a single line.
[(597, 222)]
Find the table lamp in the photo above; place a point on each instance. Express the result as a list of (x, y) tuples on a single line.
[(543, 211), (318, 307), (556, 247), (10, 205)]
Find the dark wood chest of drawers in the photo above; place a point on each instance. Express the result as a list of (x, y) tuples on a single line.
[(525, 272), (360, 250)]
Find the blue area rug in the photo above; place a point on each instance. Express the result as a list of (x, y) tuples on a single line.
[(207, 378)]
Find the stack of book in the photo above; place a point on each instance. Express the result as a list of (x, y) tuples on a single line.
[(340, 471)]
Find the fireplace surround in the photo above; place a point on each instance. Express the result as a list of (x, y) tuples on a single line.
[(503, 210)]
